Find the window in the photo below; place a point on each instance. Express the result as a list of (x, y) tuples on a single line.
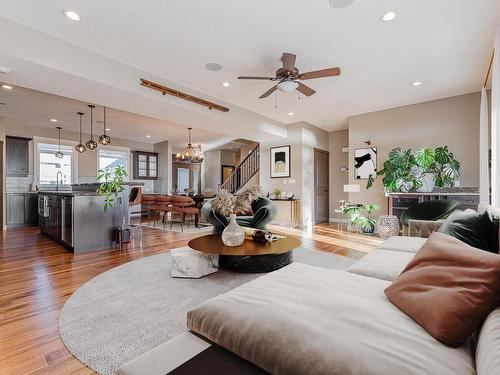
[(49, 166), (112, 157)]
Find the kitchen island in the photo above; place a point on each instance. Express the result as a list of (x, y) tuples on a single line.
[(76, 219)]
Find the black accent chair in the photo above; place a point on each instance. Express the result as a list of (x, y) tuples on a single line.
[(264, 212)]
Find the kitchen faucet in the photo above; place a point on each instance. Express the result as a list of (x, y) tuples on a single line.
[(57, 180)]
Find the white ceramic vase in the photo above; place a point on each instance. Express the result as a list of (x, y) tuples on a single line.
[(233, 234)]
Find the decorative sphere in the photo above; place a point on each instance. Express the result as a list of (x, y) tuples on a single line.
[(104, 139)]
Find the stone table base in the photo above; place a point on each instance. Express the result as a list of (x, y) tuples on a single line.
[(193, 264)]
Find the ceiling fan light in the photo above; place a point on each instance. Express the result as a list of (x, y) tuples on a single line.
[(287, 86)]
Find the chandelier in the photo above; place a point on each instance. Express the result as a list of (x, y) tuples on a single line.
[(191, 153)]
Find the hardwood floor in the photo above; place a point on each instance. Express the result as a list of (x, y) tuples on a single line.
[(37, 276)]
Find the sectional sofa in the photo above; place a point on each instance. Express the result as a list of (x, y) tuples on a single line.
[(304, 319)]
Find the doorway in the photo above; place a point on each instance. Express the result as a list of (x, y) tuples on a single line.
[(321, 186), (186, 176), (226, 172)]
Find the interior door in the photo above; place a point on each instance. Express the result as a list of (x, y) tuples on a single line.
[(321, 183)]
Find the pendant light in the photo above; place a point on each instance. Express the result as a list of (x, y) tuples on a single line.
[(59, 154), (91, 144), (104, 139), (190, 154), (80, 147)]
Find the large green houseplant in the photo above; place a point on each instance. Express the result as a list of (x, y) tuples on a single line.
[(112, 187), (405, 172), (360, 215)]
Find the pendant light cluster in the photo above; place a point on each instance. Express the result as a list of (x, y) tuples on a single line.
[(190, 154), (104, 139)]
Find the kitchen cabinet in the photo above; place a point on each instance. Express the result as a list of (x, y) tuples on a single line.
[(22, 209), (17, 156), (145, 165)]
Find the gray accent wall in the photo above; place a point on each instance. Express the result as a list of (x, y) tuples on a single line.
[(451, 121)]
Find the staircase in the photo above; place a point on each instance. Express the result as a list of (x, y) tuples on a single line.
[(243, 172)]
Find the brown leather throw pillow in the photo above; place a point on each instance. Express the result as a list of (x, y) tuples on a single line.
[(448, 288)]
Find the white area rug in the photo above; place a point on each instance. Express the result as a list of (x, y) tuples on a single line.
[(130, 309), (177, 228)]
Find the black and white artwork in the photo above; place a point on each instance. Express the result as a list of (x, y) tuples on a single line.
[(280, 162), (365, 163)]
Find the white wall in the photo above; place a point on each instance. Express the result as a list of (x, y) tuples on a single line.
[(452, 121), (303, 139), (338, 160), (211, 170)]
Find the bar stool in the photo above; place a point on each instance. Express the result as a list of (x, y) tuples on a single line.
[(148, 206)]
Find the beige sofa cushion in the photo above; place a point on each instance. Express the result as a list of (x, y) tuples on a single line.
[(403, 243), (488, 346), (304, 319), (382, 264)]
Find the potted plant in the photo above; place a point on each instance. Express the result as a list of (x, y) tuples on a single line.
[(360, 215), (404, 172), (397, 172), (113, 189), (277, 193)]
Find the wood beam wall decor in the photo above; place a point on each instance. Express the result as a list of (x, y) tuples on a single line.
[(181, 95)]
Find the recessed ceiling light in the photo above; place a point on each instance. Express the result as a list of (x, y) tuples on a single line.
[(226, 84), (108, 129), (72, 15), (416, 83), (53, 120), (389, 16), (7, 87), (290, 113), (213, 67), (148, 136)]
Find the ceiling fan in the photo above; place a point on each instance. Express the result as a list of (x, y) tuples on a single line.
[(289, 75)]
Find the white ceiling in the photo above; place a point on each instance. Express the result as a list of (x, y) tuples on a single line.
[(446, 44), (34, 108)]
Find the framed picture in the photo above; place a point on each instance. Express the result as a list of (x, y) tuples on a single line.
[(365, 163), (280, 162)]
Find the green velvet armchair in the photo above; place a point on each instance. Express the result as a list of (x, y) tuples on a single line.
[(264, 212)]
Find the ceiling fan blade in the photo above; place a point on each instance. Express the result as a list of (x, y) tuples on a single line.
[(306, 90), (288, 60), (268, 92), (264, 78), (331, 72)]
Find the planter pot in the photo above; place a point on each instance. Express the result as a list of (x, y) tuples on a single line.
[(369, 229), (427, 183), (122, 235)]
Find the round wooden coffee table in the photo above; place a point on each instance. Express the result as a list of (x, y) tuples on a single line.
[(250, 256)]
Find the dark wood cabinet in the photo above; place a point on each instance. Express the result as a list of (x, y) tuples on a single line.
[(17, 156), (145, 165), (22, 209)]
